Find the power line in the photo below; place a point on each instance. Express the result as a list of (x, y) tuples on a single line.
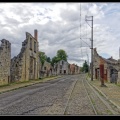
[(86, 47), (80, 31), (81, 40), (81, 37), (80, 34), (87, 9), (89, 5), (80, 20)]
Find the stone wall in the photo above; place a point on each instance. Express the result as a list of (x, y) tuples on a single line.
[(5, 56), (46, 70), (109, 66), (25, 65), (76, 69), (62, 67)]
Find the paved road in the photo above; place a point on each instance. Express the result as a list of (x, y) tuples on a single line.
[(66, 95), (35, 99)]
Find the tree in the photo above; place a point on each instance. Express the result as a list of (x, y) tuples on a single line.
[(48, 59), (85, 67), (62, 55), (54, 60), (42, 57)]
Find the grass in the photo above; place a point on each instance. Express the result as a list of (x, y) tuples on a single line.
[(93, 102), (4, 85), (118, 84), (87, 75), (109, 112), (26, 83), (20, 82)]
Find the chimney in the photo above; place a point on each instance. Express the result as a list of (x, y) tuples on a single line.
[(36, 34)]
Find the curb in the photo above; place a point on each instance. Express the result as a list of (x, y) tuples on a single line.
[(106, 96)]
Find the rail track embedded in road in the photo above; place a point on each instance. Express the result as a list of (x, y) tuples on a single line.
[(95, 111), (98, 104), (100, 98)]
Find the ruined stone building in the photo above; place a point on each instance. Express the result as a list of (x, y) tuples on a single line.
[(46, 69), (68, 68), (103, 68), (25, 66), (5, 57), (62, 67), (72, 69), (77, 69)]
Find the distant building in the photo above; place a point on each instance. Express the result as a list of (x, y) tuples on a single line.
[(46, 70), (72, 69), (62, 67)]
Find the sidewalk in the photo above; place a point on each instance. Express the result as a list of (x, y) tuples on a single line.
[(111, 92), (14, 86)]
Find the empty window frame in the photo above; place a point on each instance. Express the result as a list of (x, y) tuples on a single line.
[(34, 46), (31, 43), (60, 66), (44, 68)]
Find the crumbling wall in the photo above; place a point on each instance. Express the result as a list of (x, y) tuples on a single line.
[(5, 56), (17, 63), (25, 65)]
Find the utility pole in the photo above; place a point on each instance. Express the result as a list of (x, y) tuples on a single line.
[(91, 43)]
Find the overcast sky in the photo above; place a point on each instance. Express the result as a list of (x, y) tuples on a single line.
[(58, 26)]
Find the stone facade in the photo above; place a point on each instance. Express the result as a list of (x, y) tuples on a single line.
[(77, 69), (74, 69), (69, 68), (46, 69), (104, 68), (5, 57), (25, 66), (118, 77), (62, 67)]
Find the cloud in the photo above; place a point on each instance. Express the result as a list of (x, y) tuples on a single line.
[(58, 26)]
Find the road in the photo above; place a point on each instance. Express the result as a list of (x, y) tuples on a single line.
[(68, 95)]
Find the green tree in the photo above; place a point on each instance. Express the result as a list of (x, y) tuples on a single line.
[(42, 57), (62, 55), (48, 59), (85, 67), (54, 60)]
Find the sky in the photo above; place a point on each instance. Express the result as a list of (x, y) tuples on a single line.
[(63, 26)]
